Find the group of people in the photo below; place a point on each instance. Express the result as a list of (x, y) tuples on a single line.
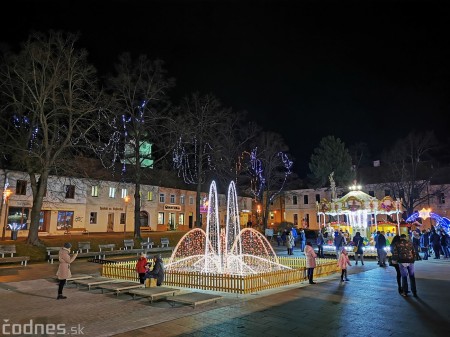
[(145, 270), (289, 237)]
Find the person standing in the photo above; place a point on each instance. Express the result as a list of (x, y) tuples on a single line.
[(158, 270), (140, 267), (302, 240), (343, 262), (63, 272), (290, 243), (381, 245), (358, 241), (403, 252), (395, 264), (416, 244), (339, 243), (320, 242), (444, 244), (425, 243), (310, 261), (435, 241)]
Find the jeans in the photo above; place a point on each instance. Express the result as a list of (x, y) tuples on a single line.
[(320, 250), (405, 272)]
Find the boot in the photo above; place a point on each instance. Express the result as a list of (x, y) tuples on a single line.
[(61, 297)]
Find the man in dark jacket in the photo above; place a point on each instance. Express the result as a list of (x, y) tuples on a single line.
[(403, 253), (381, 245), (158, 270)]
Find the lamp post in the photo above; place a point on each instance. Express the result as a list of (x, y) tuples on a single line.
[(6, 194), (126, 199)]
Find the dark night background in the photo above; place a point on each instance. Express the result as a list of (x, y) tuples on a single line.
[(363, 71)]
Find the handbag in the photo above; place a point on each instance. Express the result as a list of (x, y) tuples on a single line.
[(355, 249)]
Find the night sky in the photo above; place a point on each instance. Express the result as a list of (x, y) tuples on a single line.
[(363, 71)]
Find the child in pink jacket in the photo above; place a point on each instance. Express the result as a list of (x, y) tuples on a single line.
[(343, 262)]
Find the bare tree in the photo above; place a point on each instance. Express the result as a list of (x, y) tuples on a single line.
[(143, 125), (49, 103), (199, 147), (269, 167), (410, 169)]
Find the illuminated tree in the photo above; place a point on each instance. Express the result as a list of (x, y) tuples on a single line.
[(49, 108), (144, 128)]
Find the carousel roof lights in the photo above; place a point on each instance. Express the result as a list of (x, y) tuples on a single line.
[(355, 188)]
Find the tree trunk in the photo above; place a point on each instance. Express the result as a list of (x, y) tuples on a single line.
[(38, 187)]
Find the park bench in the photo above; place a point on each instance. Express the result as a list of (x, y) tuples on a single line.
[(50, 253), (147, 244), (145, 229), (108, 246), (76, 230), (11, 250), (128, 244), (164, 242), (85, 245)]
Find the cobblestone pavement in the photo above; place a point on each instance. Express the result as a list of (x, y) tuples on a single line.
[(367, 305)]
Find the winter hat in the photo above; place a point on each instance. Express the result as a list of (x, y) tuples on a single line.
[(68, 245)]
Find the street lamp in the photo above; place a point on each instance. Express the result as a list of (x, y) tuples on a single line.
[(126, 199), (6, 194)]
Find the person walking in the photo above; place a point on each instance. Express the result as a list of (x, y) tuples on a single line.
[(358, 242), (320, 242), (63, 272), (310, 261), (343, 262), (395, 264), (435, 242), (403, 252), (158, 270), (140, 267)]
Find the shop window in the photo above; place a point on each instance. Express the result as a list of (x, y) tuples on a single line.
[(64, 220), (70, 191), (21, 187), (18, 218), (160, 218), (93, 218), (181, 219)]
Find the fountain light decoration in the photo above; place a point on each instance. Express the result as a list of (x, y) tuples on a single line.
[(224, 250)]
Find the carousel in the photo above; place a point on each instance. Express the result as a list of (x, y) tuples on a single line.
[(359, 212)]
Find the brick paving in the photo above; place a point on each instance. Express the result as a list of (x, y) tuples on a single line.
[(367, 305)]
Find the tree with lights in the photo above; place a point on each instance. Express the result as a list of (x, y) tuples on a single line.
[(50, 104), (143, 121), (408, 170), (269, 167), (331, 156)]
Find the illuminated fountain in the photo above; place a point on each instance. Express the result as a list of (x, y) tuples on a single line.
[(227, 250)]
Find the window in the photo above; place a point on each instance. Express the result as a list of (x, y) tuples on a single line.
[(295, 219), (123, 218), (294, 200), (272, 216), (17, 218), (172, 198), (112, 192), (149, 196), (162, 197), (387, 193), (160, 218), (93, 218), (70, 191), (318, 197), (372, 193), (191, 200), (305, 200), (64, 220), (182, 199), (94, 191), (441, 198), (181, 219), (21, 187), (123, 193)]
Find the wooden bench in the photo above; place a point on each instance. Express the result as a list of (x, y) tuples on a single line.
[(84, 245), (117, 287), (151, 293), (164, 242), (110, 246), (11, 250), (147, 244), (7, 249), (145, 229), (128, 244), (76, 230), (194, 298), (50, 256)]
